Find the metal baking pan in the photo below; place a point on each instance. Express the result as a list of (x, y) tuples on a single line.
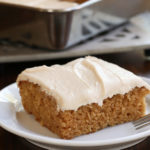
[(60, 29)]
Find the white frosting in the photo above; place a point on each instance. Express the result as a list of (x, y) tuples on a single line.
[(82, 81), (49, 4)]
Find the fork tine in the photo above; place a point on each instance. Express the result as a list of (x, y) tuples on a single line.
[(142, 125), (144, 119), (142, 122)]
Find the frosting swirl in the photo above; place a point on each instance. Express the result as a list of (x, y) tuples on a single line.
[(82, 81)]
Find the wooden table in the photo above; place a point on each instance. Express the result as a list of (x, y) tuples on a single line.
[(133, 61)]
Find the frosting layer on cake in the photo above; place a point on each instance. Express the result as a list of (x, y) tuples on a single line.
[(47, 4), (82, 81)]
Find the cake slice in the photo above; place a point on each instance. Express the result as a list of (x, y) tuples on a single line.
[(82, 96)]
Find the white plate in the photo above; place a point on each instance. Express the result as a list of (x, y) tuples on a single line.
[(14, 119)]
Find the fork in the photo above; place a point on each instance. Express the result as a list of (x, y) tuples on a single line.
[(142, 122)]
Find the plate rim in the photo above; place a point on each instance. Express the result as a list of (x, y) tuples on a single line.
[(72, 143)]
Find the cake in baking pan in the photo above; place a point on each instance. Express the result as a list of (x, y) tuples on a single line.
[(82, 96)]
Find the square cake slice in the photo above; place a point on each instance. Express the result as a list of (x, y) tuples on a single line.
[(82, 96)]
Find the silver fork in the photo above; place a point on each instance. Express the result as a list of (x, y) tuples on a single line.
[(142, 122)]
